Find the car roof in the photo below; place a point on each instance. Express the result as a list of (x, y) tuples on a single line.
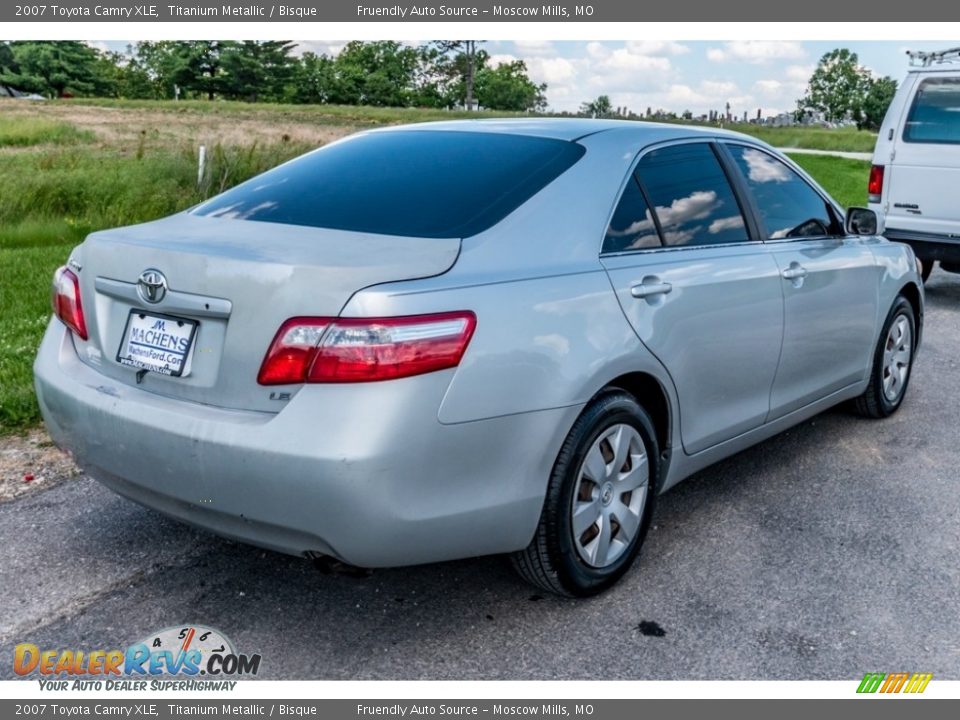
[(572, 128)]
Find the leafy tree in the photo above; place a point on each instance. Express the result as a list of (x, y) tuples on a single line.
[(52, 68), (837, 87), (7, 63), (601, 107), (878, 98), (461, 60), (507, 87), (375, 73), (191, 65), (253, 70), (313, 79)]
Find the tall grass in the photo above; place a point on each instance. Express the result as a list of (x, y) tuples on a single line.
[(20, 131), (60, 195), (51, 199)]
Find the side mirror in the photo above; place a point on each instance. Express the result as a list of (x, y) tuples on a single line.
[(861, 221)]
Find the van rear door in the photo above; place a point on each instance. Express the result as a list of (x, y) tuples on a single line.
[(924, 171)]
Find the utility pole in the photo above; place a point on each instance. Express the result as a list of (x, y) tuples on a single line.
[(471, 53)]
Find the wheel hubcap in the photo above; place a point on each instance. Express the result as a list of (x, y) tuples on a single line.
[(896, 358), (610, 495)]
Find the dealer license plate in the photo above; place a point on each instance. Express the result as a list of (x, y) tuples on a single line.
[(158, 343)]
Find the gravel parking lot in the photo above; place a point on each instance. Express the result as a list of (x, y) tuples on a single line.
[(826, 552)]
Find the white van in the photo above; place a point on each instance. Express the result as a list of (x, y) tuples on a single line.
[(915, 179)]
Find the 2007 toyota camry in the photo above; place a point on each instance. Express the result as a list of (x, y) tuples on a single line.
[(447, 340)]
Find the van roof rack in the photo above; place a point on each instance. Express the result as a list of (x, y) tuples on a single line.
[(921, 58)]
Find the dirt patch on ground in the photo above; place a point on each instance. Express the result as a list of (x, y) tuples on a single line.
[(130, 129), (31, 462)]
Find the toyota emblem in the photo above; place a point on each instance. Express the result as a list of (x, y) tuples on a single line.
[(152, 285)]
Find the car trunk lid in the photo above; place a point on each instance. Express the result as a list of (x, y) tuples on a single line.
[(238, 281)]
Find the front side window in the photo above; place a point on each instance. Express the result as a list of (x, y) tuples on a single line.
[(788, 206), (935, 114), (632, 226), (691, 195)]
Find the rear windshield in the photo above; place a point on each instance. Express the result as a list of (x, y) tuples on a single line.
[(935, 114), (411, 183)]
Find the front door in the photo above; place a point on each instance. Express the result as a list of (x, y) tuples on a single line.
[(828, 280)]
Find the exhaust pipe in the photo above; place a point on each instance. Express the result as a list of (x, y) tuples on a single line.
[(331, 566)]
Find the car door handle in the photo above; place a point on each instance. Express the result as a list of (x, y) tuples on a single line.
[(650, 287), (794, 272)]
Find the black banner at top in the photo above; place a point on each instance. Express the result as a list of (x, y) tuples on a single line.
[(479, 11)]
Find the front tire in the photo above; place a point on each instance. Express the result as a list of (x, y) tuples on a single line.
[(892, 363), (599, 500)]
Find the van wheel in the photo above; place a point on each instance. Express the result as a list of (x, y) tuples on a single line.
[(599, 500), (926, 267), (892, 363)]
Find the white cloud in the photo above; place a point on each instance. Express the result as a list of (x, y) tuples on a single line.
[(763, 169), (319, 47), (768, 87), (756, 51), (656, 47), (728, 223), (799, 73), (528, 48)]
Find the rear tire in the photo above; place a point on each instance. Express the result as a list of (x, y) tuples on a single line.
[(892, 363), (599, 500)]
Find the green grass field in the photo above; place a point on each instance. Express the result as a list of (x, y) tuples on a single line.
[(24, 131), (58, 182)]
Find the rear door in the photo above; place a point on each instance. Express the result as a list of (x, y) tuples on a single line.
[(702, 293), (924, 172), (829, 282)]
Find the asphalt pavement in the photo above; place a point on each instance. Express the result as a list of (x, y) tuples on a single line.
[(826, 552)]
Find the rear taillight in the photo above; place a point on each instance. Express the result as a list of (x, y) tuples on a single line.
[(65, 298), (875, 183), (343, 350)]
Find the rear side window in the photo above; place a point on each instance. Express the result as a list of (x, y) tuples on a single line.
[(788, 206), (632, 226), (413, 183), (691, 195), (934, 116)]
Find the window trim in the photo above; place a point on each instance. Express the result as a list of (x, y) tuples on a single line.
[(753, 229), (913, 103), (764, 232)]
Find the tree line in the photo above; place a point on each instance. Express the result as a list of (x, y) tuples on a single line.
[(444, 74), (842, 89)]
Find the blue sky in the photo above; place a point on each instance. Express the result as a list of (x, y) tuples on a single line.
[(678, 75)]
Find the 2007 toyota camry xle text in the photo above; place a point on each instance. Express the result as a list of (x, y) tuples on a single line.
[(463, 338)]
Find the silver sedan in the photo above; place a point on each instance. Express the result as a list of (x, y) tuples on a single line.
[(463, 338)]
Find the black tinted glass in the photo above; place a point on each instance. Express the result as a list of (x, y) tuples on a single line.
[(691, 196), (935, 114), (409, 183), (632, 226), (788, 206)]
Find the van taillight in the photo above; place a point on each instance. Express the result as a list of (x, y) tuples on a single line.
[(875, 184), (65, 298), (346, 350)]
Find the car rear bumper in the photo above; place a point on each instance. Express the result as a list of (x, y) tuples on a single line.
[(364, 473)]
